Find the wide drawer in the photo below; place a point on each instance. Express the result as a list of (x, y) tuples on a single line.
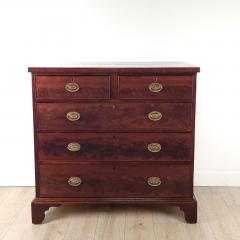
[(114, 147), (72, 87), (108, 116), (156, 87), (108, 180)]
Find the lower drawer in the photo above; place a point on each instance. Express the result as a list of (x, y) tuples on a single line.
[(115, 180)]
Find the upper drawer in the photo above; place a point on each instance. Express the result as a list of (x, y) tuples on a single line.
[(156, 87), (72, 87)]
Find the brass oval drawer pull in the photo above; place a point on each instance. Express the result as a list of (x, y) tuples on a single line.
[(73, 116), (154, 147), (73, 147), (74, 181), (154, 181), (72, 87), (154, 116), (155, 87)]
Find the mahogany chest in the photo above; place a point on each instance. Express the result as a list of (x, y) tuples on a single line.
[(114, 134)]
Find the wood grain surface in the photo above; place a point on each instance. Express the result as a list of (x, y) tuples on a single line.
[(90, 87), (173, 87), (113, 180), (119, 117), (115, 147)]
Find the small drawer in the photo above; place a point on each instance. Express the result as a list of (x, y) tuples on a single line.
[(114, 117), (72, 87), (156, 87), (115, 180), (88, 147)]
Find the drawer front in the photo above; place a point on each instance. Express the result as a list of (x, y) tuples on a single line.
[(72, 87), (121, 116), (114, 147), (96, 180), (152, 87)]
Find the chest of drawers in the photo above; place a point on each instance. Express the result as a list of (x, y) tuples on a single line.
[(114, 134)]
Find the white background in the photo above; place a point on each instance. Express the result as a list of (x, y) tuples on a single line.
[(205, 33)]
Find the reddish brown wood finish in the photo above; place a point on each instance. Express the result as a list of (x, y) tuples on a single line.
[(173, 68), (115, 147), (38, 211), (190, 211), (120, 117), (114, 126), (90, 87), (187, 204), (125, 180), (174, 87)]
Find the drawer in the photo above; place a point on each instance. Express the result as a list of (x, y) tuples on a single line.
[(108, 180), (120, 116), (152, 87), (72, 87), (115, 147)]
